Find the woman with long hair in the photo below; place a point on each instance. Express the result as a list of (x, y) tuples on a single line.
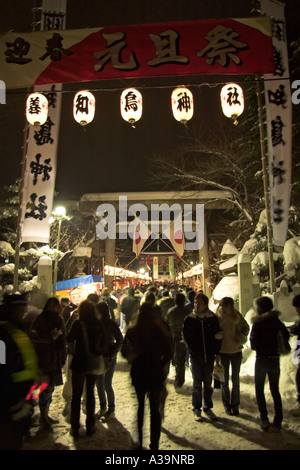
[(235, 331), (149, 351)]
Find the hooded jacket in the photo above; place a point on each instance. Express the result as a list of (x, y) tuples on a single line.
[(264, 333)]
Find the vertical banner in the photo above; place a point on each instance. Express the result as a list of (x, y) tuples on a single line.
[(279, 124), (40, 172), (171, 267), (155, 267)]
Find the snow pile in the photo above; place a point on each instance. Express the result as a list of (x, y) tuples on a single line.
[(291, 254)]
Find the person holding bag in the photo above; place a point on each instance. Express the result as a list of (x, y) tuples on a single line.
[(235, 332), (90, 340)]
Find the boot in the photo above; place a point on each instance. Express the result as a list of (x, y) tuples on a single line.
[(51, 420), (44, 420)]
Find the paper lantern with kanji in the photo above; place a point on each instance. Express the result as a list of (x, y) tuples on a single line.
[(36, 109), (131, 103), (182, 102), (84, 107), (232, 101)]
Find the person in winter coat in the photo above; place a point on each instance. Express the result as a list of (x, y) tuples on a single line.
[(202, 334), (111, 302), (89, 335), (165, 303), (129, 306), (175, 318), (264, 339), (104, 381), (18, 373), (295, 330), (49, 339), (190, 296), (235, 332), (148, 350)]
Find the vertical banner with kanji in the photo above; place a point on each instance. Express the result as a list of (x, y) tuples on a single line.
[(40, 171), (279, 124)]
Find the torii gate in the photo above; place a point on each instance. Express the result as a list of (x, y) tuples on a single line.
[(211, 200), (229, 46)]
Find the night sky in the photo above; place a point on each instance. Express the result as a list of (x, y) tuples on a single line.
[(110, 156)]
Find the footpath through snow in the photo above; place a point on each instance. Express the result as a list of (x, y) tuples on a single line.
[(179, 431)]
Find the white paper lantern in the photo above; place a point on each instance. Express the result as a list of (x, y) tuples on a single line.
[(182, 104), (36, 109), (84, 107), (232, 101), (131, 103)]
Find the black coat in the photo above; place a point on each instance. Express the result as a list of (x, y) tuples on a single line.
[(97, 343), (264, 333), (149, 351), (51, 352), (202, 335), (114, 337)]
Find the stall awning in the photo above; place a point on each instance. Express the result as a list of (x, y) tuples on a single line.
[(78, 281)]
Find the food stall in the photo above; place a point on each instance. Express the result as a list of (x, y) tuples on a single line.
[(78, 288)]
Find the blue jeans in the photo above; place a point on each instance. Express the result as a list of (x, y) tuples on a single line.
[(202, 379), (105, 389), (231, 400), (270, 366), (78, 380)]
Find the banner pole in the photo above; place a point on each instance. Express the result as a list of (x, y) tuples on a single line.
[(18, 240), (266, 190)]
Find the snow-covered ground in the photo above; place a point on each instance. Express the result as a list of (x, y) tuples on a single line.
[(179, 431)]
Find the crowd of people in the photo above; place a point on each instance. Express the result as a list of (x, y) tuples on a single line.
[(152, 330)]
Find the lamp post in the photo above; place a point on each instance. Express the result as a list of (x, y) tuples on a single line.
[(58, 214)]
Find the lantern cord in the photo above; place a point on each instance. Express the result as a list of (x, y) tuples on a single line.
[(144, 87)]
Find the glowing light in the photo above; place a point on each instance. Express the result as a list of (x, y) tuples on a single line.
[(232, 101), (182, 102), (36, 109), (84, 104), (131, 104)]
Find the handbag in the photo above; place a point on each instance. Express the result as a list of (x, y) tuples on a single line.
[(218, 372), (95, 363)]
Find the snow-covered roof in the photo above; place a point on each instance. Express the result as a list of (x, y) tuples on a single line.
[(229, 249), (232, 262)]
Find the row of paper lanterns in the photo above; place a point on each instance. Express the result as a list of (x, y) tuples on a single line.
[(131, 105)]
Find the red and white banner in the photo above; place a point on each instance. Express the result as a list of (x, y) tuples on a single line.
[(140, 235), (40, 171), (222, 46), (279, 125), (174, 232)]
